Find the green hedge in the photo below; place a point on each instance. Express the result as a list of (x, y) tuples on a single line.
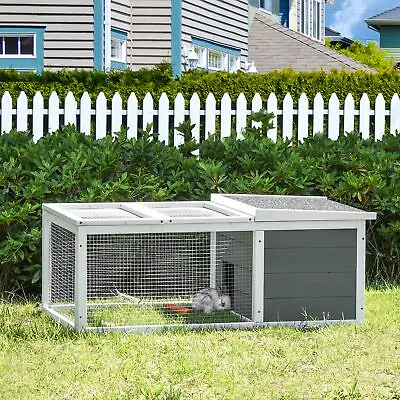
[(68, 166), (160, 80)]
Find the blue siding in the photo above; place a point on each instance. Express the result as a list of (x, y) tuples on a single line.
[(390, 37), (215, 46), (35, 63), (98, 61), (176, 36)]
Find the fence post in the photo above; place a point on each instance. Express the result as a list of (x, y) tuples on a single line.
[(54, 112), (70, 108), (226, 116), (333, 117), (287, 117), (194, 115), (241, 115), (148, 112), (349, 114), (6, 112), (86, 113), (22, 112), (395, 114), (211, 110), (302, 121), (179, 117), (116, 114), (256, 106), (380, 115), (101, 116), (318, 120), (132, 116), (38, 113), (272, 107), (163, 118), (364, 116)]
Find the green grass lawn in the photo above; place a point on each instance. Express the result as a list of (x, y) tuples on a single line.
[(41, 360)]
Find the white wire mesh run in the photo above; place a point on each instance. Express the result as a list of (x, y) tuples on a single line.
[(168, 278), (153, 279), (62, 271)]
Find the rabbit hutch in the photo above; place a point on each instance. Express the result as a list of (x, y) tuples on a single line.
[(237, 261)]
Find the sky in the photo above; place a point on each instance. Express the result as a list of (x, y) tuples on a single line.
[(347, 17)]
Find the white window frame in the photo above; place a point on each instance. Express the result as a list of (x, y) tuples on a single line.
[(265, 5), (229, 62), (19, 36), (123, 43), (311, 19)]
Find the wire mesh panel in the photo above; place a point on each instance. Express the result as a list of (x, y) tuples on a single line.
[(62, 271), (146, 279)]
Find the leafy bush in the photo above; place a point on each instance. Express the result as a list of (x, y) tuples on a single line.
[(71, 167), (160, 80), (369, 54)]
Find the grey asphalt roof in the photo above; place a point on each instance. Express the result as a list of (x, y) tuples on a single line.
[(275, 47), (389, 15)]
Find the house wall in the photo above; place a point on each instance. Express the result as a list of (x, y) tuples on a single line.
[(224, 22), (390, 41), (254, 6), (148, 24), (69, 29)]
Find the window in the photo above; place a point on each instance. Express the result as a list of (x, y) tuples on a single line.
[(118, 49), (216, 57), (22, 48), (266, 5), (17, 45), (310, 18), (215, 60)]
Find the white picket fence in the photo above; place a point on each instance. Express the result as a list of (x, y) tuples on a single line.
[(231, 116)]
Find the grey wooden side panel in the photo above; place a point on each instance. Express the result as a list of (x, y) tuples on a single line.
[(310, 259), (294, 309), (149, 33), (313, 270), (311, 251), (66, 24), (222, 21), (311, 238), (314, 285)]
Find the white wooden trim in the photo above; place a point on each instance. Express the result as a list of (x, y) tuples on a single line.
[(360, 286), (132, 329), (258, 277), (45, 259), (81, 279), (59, 317)]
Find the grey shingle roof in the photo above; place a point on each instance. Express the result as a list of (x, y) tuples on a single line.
[(389, 15), (274, 47)]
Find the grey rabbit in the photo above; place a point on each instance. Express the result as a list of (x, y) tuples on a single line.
[(209, 300)]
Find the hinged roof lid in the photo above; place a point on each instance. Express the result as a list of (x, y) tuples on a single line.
[(146, 213), (291, 208)]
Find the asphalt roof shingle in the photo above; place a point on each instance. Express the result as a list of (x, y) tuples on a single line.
[(390, 15), (275, 47)]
